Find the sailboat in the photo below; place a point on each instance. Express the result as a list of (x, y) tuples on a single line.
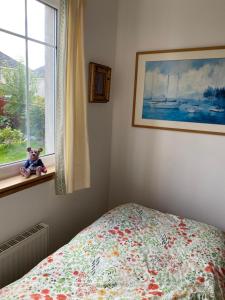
[(165, 102), (215, 108), (192, 109), (155, 99)]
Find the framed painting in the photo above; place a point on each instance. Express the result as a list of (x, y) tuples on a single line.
[(99, 83), (181, 89)]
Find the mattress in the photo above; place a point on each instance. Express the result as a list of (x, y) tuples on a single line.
[(132, 252)]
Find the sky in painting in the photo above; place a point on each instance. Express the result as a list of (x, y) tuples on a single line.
[(183, 78)]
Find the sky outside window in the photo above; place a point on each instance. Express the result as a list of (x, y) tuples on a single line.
[(13, 19)]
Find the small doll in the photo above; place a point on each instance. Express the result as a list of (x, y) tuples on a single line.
[(34, 164)]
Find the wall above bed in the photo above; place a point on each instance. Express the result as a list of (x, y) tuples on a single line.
[(182, 173)]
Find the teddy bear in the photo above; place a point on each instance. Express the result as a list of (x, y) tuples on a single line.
[(34, 164)]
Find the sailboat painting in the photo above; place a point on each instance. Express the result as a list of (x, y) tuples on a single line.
[(181, 90)]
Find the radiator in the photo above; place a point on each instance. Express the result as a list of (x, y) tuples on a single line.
[(21, 253)]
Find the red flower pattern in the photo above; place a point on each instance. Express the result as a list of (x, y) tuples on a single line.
[(35, 296), (200, 279), (153, 286), (61, 297)]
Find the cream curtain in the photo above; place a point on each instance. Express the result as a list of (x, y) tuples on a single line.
[(72, 149)]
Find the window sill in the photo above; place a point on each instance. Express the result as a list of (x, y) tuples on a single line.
[(18, 183)]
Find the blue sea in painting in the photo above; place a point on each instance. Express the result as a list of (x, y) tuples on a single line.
[(188, 111), (185, 91)]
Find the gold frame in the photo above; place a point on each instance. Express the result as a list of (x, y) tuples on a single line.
[(138, 54)]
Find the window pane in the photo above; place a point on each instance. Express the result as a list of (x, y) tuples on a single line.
[(12, 99), (13, 15), (42, 85), (41, 22)]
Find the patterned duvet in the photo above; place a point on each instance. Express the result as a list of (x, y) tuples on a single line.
[(132, 252)]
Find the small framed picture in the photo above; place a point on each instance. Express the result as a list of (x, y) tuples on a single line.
[(99, 83)]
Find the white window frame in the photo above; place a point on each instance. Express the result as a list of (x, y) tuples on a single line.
[(12, 169), (53, 3)]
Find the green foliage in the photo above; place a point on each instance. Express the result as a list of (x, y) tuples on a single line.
[(1, 90), (13, 88), (12, 153), (9, 136), (4, 122), (37, 118), (15, 152)]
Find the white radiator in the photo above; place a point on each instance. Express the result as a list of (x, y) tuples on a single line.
[(22, 253)]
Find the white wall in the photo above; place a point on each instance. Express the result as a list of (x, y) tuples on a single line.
[(182, 173), (68, 215)]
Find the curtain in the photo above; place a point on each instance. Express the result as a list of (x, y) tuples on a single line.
[(72, 148)]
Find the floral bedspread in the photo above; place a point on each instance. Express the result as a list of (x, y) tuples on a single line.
[(132, 252)]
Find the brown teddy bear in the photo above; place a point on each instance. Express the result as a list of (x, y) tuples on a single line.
[(34, 164)]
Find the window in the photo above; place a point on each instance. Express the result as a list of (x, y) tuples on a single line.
[(27, 77)]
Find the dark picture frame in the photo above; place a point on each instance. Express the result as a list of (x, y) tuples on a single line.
[(99, 83)]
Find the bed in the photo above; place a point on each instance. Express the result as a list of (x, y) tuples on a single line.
[(132, 252)]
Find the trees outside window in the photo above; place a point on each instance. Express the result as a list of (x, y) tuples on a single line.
[(27, 78)]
